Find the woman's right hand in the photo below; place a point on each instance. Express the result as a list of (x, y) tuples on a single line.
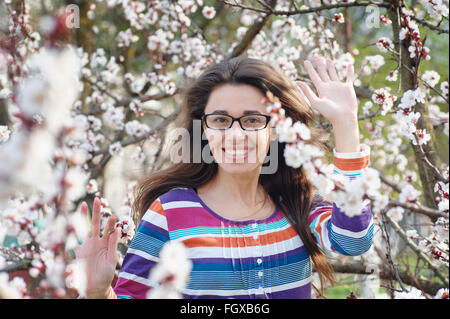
[(99, 253)]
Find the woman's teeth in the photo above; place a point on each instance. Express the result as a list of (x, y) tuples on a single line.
[(236, 152)]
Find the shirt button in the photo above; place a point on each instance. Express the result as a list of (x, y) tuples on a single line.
[(254, 225), (259, 260), (255, 236), (260, 273)]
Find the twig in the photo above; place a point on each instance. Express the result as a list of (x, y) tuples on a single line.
[(428, 25), (433, 168), (235, 4), (420, 282), (417, 250), (426, 84), (250, 35), (433, 213), (154, 97), (390, 184), (102, 90), (133, 140), (389, 256), (333, 6)]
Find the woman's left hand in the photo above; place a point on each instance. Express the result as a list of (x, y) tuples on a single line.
[(336, 99)]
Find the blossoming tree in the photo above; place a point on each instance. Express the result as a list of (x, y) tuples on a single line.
[(89, 89)]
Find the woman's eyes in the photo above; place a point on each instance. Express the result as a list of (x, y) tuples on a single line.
[(255, 120), (246, 120), (217, 119)]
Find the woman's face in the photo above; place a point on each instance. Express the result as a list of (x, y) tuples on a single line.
[(236, 150)]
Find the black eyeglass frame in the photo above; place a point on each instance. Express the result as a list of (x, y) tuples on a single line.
[(204, 116)]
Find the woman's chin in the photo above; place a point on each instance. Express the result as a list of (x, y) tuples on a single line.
[(238, 168)]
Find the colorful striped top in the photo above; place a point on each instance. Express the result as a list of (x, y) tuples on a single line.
[(242, 259)]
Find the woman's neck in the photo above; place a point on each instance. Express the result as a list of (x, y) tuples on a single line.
[(242, 189)]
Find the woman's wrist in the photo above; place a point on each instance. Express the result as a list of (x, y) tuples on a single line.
[(346, 136), (101, 294), (111, 294)]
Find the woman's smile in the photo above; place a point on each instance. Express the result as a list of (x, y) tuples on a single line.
[(236, 153)]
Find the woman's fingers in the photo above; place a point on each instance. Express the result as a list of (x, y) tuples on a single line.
[(308, 92), (112, 243), (84, 208), (332, 70), (315, 78), (109, 227), (322, 70), (350, 74), (95, 224)]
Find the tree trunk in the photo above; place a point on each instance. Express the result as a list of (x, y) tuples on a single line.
[(409, 81)]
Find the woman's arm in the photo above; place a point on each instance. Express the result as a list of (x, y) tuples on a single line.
[(332, 228), (143, 254), (336, 101)]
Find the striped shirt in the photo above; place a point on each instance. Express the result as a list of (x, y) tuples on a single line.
[(243, 259)]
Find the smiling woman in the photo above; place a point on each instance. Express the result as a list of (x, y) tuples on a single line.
[(248, 234)]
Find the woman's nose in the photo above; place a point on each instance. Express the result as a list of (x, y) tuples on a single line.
[(235, 134), (235, 124), (235, 130)]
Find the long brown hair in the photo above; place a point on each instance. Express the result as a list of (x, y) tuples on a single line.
[(288, 187)]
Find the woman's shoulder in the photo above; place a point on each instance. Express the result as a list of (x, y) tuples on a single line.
[(177, 194), (178, 197)]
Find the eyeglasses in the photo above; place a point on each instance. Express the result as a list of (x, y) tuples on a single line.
[(251, 122)]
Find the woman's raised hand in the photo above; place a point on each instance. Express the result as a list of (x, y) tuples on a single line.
[(99, 253), (335, 100)]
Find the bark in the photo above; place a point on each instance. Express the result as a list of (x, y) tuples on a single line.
[(409, 81)]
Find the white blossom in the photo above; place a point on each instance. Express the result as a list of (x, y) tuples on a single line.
[(76, 180), (11, 289), (431, 77), (4, 133), (442, 294), (208, 12), (174, 264), (76, 278), (115, 149), (414, 293), (412, 233), (385, 44), (375, 61), (408, 194), (392, 76), (396, 213)]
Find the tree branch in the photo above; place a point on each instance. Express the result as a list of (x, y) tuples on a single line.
[(420, 282), (250, 34), (416, 208), (428, 25), (133, 140), (417, 250), (313, 9)]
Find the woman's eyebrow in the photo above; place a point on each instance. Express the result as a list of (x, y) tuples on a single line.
[(245, 112)]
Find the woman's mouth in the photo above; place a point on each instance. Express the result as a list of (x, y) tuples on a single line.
[(236, 154)]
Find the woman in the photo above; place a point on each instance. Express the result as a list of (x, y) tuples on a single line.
[(249, 235)]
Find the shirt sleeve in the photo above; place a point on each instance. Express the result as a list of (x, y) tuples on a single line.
[(142, 254), (335, 232)]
